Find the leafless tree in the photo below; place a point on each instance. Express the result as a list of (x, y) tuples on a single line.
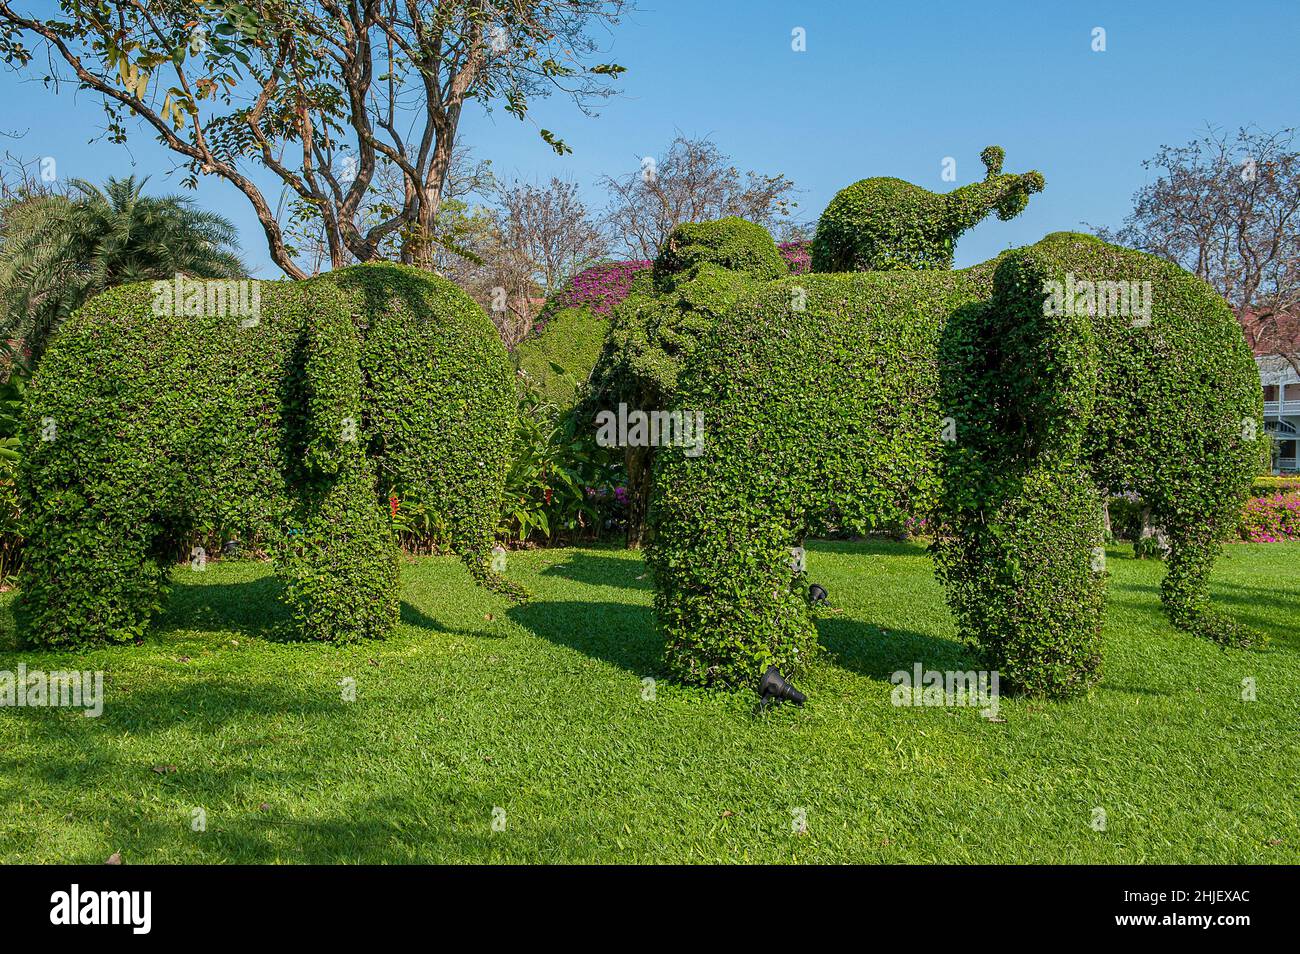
[(1228, 209), (550, 231), (531, 241), (691, 182)]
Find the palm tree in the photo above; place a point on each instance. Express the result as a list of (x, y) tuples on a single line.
[(58, 251)]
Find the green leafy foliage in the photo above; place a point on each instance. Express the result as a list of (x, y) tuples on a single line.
[(147, 425), (12, 395), (820, 401), (825, 400), (556, 362), (704, 269), (884, 224), (1053, 411), (729, 243), (561, 484)]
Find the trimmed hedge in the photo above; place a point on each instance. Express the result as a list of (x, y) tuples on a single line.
[(147, 427), (556, 362), (885, 224), (570, 330), (825, 399), (703, 271), (820, 402), (1263, 486), (729, 243)]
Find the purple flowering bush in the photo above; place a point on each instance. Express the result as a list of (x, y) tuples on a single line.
[(1271, 519), (599, 288), (797, 255)]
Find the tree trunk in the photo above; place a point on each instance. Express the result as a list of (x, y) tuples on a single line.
[(639, 462)]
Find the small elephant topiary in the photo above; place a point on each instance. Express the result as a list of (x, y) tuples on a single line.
[(163, 412), (883, 224)]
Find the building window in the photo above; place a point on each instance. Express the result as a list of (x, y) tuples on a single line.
[(1270, 392)]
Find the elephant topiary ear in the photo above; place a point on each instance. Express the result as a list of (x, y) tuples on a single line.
[(992, 157)]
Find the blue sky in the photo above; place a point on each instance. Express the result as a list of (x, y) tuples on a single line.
[(882, 89)]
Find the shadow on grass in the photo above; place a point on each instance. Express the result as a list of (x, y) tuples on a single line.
[(1239, 601), (256, 609), (877, 653), (412, 821), (868, 546), (595, 569), (620, 633)]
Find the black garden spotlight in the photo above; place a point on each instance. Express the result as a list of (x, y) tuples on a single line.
[(773, 685), (816, 595)]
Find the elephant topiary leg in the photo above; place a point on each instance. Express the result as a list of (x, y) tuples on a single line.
[(339, 561), (727, 599), (87, 579), (1185, 590), (1026, 581), (1021, 552)]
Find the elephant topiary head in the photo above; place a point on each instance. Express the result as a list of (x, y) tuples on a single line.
[(885, 224)]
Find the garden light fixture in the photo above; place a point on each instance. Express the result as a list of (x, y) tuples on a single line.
[(775, 686)]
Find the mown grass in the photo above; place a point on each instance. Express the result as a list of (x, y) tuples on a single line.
[(539, 710)]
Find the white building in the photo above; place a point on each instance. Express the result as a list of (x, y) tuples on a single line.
[(1281, 409), (1275, 339)]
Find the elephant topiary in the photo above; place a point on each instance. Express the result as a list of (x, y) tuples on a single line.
[(884, 224), (701, 271), (861, 399), (302, 413)]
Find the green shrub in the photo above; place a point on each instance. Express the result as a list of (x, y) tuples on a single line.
[(820, 402), (729, 243), (146, 425), (1263, 486), (558, 360), (1164, 406), (702, 273), (885, 224), (561, 486), (557, 356), (826, 400)]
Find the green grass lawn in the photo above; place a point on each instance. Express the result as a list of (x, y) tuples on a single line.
[(539, 710)]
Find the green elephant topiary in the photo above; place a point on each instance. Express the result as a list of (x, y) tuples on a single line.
[(885, 224), (293, 415), (859, 400), (703, 269)]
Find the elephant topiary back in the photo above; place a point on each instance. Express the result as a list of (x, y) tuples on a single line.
[(283, 410)]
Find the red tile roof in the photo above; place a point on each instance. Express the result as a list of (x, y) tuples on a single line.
[(1269, 333)]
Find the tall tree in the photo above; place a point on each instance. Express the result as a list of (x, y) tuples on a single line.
[(57, 251), (547, 232), (692, 182), (319, 92), (1228, 209)]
